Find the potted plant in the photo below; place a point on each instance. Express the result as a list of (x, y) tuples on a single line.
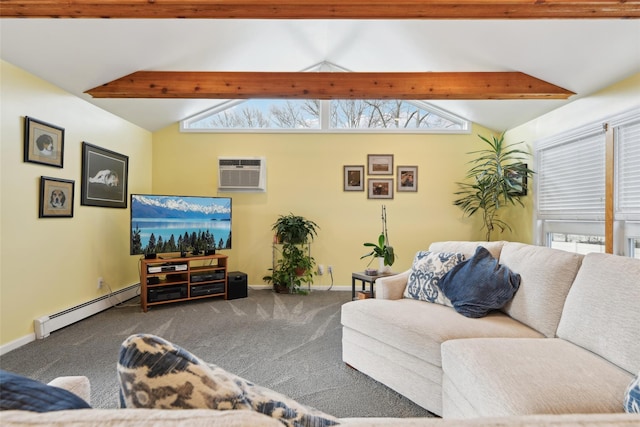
[(295, 266), (294, 229), (292, 270), (497, 176), (381, 250)]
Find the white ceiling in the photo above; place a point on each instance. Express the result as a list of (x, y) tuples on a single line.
[(583, 56)]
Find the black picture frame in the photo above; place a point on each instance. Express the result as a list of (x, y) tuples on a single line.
[(56, 197), (518, 179), (104, 177), (43, 143)]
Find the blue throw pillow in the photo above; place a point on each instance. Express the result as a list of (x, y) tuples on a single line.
[(479, 285), (22, 393), (632, 397)]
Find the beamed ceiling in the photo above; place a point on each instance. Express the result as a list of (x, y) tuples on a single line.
[(153, 63)]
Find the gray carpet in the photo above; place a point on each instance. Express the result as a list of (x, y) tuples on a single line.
[(289, 343)]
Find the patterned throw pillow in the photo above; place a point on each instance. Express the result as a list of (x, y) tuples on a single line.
[(632, 397), (154, 373), (426, 272)]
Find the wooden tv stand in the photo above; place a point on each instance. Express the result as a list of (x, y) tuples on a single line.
[(165, 280)]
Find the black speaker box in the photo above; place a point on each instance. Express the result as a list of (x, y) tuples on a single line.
[(236, 285)]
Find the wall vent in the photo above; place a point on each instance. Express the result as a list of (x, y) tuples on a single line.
[(242, 174)]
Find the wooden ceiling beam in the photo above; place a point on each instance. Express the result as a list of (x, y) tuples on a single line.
[(326, 85), (319, 9)]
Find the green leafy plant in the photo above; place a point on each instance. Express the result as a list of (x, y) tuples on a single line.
[(296, 266), (381, 249), (294, 229), (497, 176)]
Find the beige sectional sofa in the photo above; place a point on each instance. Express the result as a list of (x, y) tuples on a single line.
[(241, 418), (567, 343)]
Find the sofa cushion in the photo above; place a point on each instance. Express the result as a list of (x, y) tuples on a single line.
[(479, 285), (419, 329), (545, 278), (426, 272), (154, 373), (602, 311), (632, 397), (501, 377), (467, 248), (19, 392), (138, 418)]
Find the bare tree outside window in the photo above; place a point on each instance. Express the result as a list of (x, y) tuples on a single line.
[(344, 114)]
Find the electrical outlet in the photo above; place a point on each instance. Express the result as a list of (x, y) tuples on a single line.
[(320, 269), (330, 269), (100, 282)]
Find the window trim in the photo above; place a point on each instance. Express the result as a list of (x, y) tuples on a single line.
[(625, 230), (325, 118)]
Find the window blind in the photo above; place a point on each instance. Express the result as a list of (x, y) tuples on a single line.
[(571, 179), (627, 202)]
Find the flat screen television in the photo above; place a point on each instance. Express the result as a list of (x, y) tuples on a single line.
[(191, 224)]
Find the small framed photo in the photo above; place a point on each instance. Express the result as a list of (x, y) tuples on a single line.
[(407, 178), (380, 164), (380, 188), (43, 143), (518, 179), (354, 178), (56, 197), (104, 177)]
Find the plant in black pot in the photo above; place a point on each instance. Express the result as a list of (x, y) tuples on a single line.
[(296, 266)]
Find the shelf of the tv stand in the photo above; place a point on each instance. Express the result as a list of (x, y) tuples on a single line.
[(167, 279)]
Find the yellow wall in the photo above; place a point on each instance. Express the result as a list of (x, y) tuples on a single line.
[(47, 265), (304, 177), (51, 264)]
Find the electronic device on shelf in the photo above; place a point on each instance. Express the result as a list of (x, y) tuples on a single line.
[(207, 277), (207, 289), (165, 293), (166, 268)]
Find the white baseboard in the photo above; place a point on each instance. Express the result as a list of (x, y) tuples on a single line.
[(10, 346), (44, 325)]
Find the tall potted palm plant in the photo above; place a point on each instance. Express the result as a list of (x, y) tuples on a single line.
[(497, 176)]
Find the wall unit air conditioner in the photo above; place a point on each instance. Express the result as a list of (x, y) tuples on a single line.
[(242, 174)]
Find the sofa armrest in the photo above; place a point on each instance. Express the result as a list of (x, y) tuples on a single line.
[(78, 385), (392, 287)]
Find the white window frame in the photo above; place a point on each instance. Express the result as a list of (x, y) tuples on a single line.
[(626, 224), (325, 107)]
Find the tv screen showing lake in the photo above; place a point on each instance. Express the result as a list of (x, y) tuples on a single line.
[(161, 224)]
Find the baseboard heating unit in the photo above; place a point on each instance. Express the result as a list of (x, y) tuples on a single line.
[(44, 325)]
